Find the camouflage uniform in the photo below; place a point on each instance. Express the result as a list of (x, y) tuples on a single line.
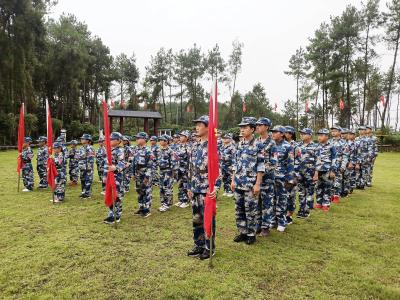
[(249, 161), (350, 173), (101, 158), (291, 203), (156, 177), (143, 165), (166, 166), (27, 169), (364, 158), (41, 159), (128, 171), (326, 162), (61, 178), (86, 164), (342, 153), (183, 154), (73, 156), (227, 154), (373, 145)]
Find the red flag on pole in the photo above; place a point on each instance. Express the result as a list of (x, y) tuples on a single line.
[(276, 106), (111, 188), (382, 99), (244, 108), (112, 103), (51, 167), (341, 104), (307, 107), (21, 136), (210, 208), (122, 103)]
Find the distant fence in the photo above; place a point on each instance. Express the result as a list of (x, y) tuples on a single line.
[(389, 148)]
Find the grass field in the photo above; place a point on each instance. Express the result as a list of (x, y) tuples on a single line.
[(65, 251)]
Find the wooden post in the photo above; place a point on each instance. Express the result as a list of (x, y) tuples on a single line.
[(111, 127), (121, 125), (156, 124), (146, 125)]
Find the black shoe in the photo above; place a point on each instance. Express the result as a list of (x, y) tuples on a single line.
[(109, 220), (307, 214), (258, 231), (206, 254), (196, 251), (289, 220), (250, 240), (139, 212), (300, 215), (240, 238), (146, 215)]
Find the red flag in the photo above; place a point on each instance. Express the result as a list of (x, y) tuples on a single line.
[(51, 167), (111, 188), (210, 208), (112, 103), (276, 106), (21, 136), (307, 107), (244, 108), (341, 104), (382, 99), (122, 103)]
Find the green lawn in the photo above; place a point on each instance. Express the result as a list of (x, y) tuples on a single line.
[(65, 251)]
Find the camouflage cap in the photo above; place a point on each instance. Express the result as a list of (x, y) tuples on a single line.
[(202, 119), (115, 136), (153, 138), (336, 127), (306, 131), (264, 121), (142, 135), (323, 131), (290, 129), (251, 121), (28, 139), (86, 136), (278, 128)]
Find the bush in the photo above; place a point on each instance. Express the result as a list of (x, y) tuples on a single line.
[(392, 139)]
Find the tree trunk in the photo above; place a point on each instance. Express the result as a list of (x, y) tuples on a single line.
[(315, 107), (365, 76), (163, 100), (181, 116), (297, 103), (397, 112)]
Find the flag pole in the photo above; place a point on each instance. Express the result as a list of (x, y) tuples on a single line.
[(19, 181), (210, 263)]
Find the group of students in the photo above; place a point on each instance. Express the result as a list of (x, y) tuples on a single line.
[(263, 173)]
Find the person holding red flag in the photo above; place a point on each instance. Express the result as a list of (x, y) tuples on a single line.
[(27, 168), (117, 167), (198, 189), (61, 178)]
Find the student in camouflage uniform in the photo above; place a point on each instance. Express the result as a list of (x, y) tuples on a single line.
[(183, 154), (86, 164), (197, 190), (154, 150), (129, 156), (117, 166), (284, 176), (346, 162), (249, 168), (227, 154), (143, 166), (374, 149), (42, 156), (101, 157), (350, 172), (364, 158), (306, 159), (325, 170), (166, 164), (266, 198), (73, 156), (27, 168), (61, 178), (290, 137)]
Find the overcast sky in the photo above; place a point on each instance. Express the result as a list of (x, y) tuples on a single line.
[(270, 30)]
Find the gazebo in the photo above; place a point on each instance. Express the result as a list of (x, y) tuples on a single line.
[(137, 114)]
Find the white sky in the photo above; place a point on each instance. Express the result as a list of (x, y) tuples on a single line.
[(270, 30)]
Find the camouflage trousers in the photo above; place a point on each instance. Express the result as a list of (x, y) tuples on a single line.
[(363, 175), (73, 173), (59, 192), (324, 189), (42, 172), (144, 193), (291, 202), (246, 211), (27, 176), (266, 207), (346, 185), (155, 176), (117, 210), (306, 188), (227, 178), (127, 179), (183, 183), (337, 184), (166, 187), (199, 236), (100, 172), (86, 182), (280, 203)]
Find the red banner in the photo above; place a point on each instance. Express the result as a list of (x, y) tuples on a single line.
[(341, 104), (51, 167), (21, 137)]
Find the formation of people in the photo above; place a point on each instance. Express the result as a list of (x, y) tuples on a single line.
[(265, 171)]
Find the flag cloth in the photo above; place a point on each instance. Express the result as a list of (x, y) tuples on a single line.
[(244, 108), (51, 167), (210, 207), (111, 188), (21, 136), (382, 99), (341, 104), (276, 106)]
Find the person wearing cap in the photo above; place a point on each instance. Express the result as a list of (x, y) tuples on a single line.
[(284, 176), (226, 155), (182, 154), (41, 159), (129, 156), (86, 165), (350, 171), (154, 148), (290, 137), (266, 199), (197, 190), (249, 168), (117, 167), (61, 178), (364, 157), (341, 162), (143, 166), (306, 158), (174, 142), (325, 170), (73, 156), (167, 168), (346, 156), (61, 140), (27, 168), (101, 157), (373, 141)]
